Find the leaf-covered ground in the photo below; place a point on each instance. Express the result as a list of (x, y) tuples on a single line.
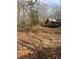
[(44, 44)]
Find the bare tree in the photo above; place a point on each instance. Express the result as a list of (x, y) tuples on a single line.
[(23, 7)]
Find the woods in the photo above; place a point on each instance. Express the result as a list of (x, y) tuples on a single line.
[(38, 30), (33, 12)]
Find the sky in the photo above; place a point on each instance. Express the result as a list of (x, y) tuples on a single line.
[(50, 3)]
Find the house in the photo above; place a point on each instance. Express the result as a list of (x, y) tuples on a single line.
[(51, 22)]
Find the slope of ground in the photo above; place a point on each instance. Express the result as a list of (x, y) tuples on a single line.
[(42, 45)]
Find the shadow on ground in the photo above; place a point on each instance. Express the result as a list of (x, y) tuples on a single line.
[(45, 53)]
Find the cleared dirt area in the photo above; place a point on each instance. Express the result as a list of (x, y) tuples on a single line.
[(44, 44)]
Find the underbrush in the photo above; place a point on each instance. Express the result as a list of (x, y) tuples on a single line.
[(24, 26)]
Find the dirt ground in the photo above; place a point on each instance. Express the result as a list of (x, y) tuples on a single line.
[(43, 44)]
